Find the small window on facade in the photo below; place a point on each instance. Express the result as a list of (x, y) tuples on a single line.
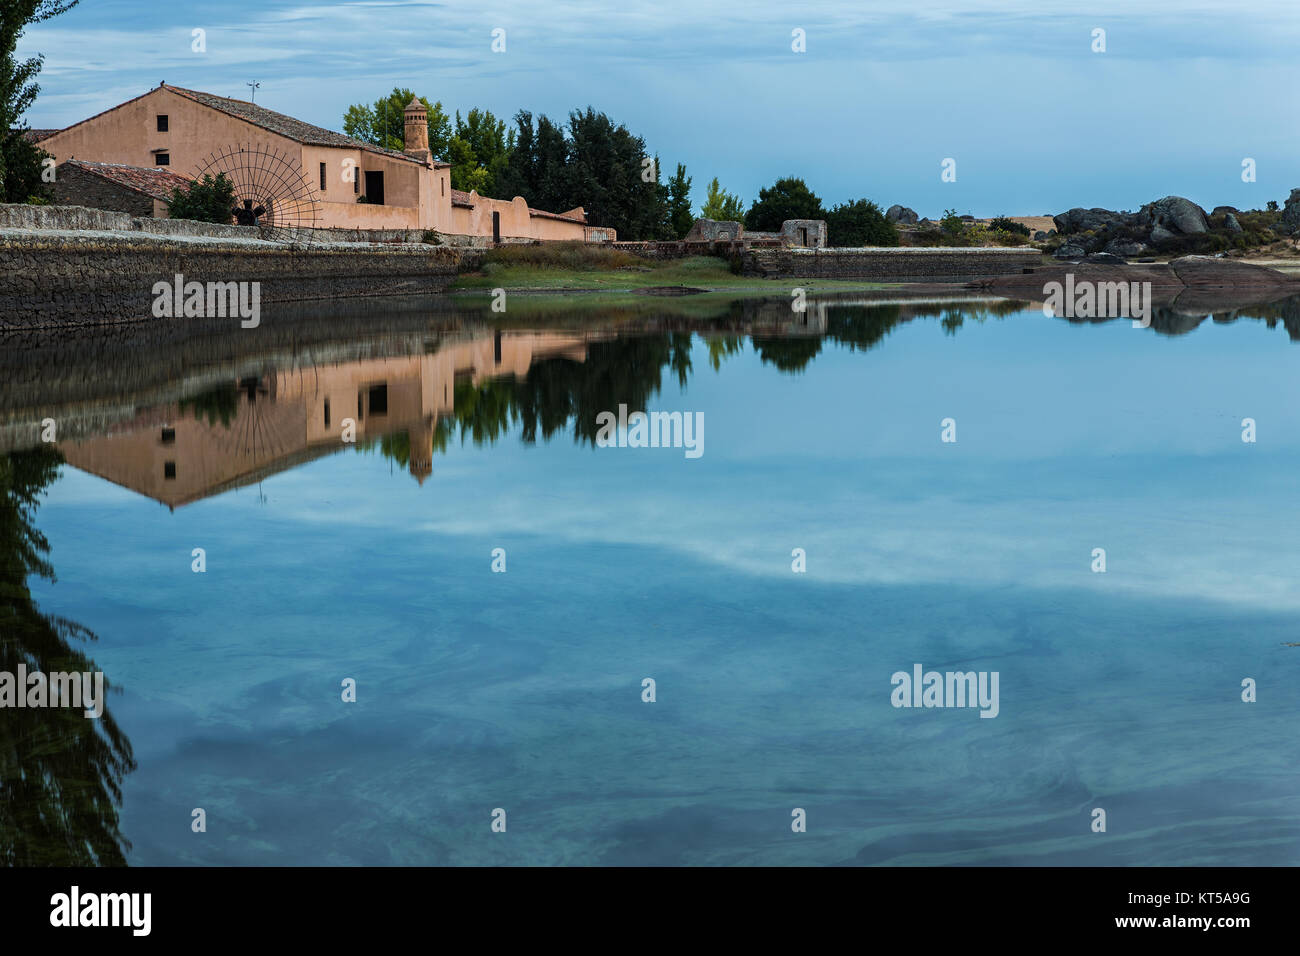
[(168, 436), (378, 399), (162, 159), (327, 413), (162, 122), (322, 177), (443, 182), (356, 180), (169, 469)]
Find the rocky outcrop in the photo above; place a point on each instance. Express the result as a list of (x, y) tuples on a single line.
[(1125, 247), (901, 214), (1289, 225), (1157, 221), (1176, 214)]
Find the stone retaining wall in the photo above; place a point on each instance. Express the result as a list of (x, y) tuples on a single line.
[(682, 248), (933, 264), (93, 278)]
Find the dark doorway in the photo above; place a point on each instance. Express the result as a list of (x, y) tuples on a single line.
[(374, 187), (496, 226), (803, 236)]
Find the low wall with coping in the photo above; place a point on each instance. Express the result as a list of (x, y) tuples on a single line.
[(681, 248), (898, 263), (78, 218)]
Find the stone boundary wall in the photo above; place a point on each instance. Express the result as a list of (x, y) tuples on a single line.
[(78, 218), (94, 278), (899, 263), (682, 248)]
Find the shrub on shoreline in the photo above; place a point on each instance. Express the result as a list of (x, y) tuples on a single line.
[(575, 256)]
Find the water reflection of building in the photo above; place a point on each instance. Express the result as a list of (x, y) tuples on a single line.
[(232, 437)]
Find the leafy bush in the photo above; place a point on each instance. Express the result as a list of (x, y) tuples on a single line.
[(1003, 224), (561, 255), (1003, 237), (858, 223), (21, 169), (208, 200)]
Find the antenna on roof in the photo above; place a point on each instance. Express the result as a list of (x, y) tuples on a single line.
[(253, 87)]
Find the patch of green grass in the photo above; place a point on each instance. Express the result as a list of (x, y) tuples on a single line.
[(520, 271)]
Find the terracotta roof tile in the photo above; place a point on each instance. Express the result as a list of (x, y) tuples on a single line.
[(156, 183), (286, 126), (461, 198), (36, 135), (543, 214)]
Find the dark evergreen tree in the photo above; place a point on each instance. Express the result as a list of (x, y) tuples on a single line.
[(788, 198), (679, 203)]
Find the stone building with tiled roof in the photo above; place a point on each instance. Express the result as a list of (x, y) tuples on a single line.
[(118, 188), (357, 185)]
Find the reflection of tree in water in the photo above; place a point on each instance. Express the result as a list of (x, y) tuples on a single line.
[(559, 392), (216, 404), (787, 353), (397, 446), (60, 772), (722, 347)]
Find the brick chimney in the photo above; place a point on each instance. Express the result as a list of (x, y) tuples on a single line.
[(416, 130)]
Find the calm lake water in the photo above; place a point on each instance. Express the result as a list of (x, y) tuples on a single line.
[(522, 690)]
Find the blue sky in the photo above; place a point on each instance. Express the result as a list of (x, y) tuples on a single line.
[(886, 90)]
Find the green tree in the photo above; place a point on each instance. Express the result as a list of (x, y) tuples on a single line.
[(384, 122), (952, 224), (23, 164), (859, 222), (611, 175), (679, 203), (466, 173), (554, 179), (598, 165), (788, 198), (721, 205), (479, 152), (208, 200), (519, 178), (20, 160)]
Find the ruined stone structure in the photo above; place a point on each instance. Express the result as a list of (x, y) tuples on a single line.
[(715, 230), (795, 233)]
